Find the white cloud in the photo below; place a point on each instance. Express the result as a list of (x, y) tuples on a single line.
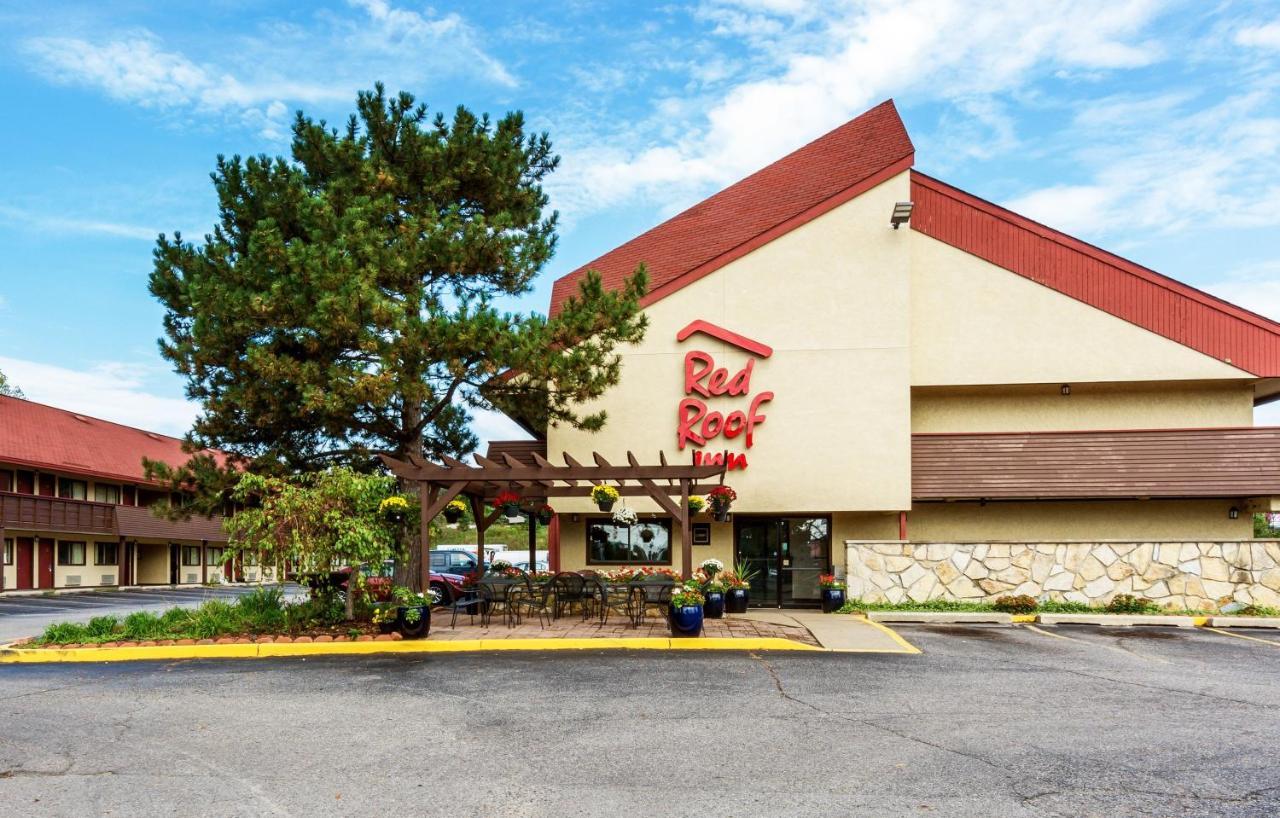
[(490, 426), (1263, 36), (72, 224), (860, 53), (257, 79), (1255, 287), (109, 390)]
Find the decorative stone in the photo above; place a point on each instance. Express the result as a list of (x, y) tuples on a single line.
[(1105, 554), (1061, 581), (1022, 558), (1214, 568), (980, 552), (937, 551), (1119, 570), (1041, 566), (1188, 551), (897, 565), (998, 563), (895, 594), (1141, 557), (1012, 575), (1000, 550), (976, 570), (922, 589), (1190, 567), (963, 588), (1271, 579), (1099, 587), (912, 575), (960, 559), (1158, 590), (992, 586), (873, 562), (946, 571), (1092, 569)]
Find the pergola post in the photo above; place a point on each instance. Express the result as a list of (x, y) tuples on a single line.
[(2, 550), (686, 536), (426, 500), (533, 541)]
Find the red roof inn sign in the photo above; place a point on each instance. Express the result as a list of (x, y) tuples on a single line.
[(699, 424)]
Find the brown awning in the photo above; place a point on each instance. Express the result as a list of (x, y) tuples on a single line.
[(1239, 462), (522, 450), (137, 521)]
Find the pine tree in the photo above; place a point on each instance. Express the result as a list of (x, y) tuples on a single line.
[(345, 304), (9, 388)]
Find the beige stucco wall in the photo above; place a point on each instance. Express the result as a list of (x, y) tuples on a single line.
[(1043, 407), (831, 298), (1104, 520), (976, 323)]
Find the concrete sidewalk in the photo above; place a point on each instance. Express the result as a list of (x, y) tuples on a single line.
[(846, 633)]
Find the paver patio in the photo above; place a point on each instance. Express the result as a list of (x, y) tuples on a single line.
[(572, 627)]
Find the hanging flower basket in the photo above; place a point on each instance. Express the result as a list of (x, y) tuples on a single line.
[(545, 514), (509, 502), (604, 497), (454, 511), (394, 508), (697, 504), (721, 499), (646, 533)]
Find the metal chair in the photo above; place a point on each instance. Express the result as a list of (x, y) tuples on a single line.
[(538, 599), (472, 601), (653, 594), (569, 589)]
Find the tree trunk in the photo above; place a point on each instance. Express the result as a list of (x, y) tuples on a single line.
[(353, 588)]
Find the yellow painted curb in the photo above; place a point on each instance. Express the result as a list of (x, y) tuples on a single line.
[(1023, 618), (276, 649), (1200, 621), (907, 647)]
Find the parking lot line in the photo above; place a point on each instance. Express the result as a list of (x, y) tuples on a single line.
[(1117, 649), (1270, 642)]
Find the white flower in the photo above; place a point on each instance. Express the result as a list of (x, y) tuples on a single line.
[(624, 516)]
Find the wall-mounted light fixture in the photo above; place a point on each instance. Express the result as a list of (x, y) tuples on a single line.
[(1066, 389), (901, 214), (573, 518), (1233, 513)]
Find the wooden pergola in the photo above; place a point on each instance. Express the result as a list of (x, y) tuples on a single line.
[(440, 483)]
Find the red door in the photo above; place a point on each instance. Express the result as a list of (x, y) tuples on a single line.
[(46, 563), (26, 551)]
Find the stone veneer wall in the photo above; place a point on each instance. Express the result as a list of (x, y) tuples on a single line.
[(1201, 575)]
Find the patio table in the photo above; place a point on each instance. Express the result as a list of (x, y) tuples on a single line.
[(500, 592)]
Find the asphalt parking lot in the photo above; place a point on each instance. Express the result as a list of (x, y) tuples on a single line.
[(28, 614), (989, 720)]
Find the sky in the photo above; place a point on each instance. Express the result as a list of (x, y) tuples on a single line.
[(1149, 128)]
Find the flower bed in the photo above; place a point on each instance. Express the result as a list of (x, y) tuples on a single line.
[(1130, 605)]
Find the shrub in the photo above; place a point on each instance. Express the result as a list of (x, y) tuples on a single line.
[(1018, 604), (101, 627), (64, 632), (262, 610), (1129, 604), (141, 625), (213, 619), (1066, 606)]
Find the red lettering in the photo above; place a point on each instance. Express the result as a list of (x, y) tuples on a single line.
[(719, 383), (741, 383), (690, 412), (693, 375), (754, 418)]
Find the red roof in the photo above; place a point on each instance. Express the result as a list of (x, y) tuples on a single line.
[(1100, 279), (40, 436), (864, 152), (799, 187)]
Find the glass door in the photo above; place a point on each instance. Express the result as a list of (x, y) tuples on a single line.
[(786, 555), (759, 546)]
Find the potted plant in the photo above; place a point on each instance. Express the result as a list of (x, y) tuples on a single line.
[(646, 533), (509, 502), (413, 611), (832, 592), (738, 596), (384, 616), (713, 590), (625, 516), (696, 504), (545, 514), (721, 499), (454, 511), (711, 568), (686, 610), (604, 497), (394, 509)]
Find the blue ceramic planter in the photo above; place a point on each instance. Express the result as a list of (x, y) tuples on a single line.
[(686, 620), (713, 608), (832, 599), (420, 627), (736, 600)]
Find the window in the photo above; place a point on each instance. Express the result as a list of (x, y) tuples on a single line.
[(250, 558), (648, 542), (6, 480), (73, 489), (70, 553), (106, 493), (213, 556), (105, 553), (190, 555), (8, 551)]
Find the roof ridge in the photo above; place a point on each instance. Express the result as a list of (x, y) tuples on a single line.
[(1047, 432), (1100, 253)]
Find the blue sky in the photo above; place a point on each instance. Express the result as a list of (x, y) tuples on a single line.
[(1150, 128)]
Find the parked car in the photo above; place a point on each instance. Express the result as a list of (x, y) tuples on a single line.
[(378, 581), (455, 563)]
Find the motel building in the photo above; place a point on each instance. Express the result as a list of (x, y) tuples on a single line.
[(929, 395), (75, 507)]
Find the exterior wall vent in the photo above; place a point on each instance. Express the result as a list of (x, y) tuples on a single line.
[(73, 580), (108, 579), (193, 577)]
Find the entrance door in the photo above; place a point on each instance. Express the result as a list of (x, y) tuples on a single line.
[(25, 559), (785, 556), (174, 557), (45, 568)]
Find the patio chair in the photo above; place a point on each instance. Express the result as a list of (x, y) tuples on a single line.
[(471, 602), (652, 595), (538, 599), (569, 589), (498, 597), (606, 602)]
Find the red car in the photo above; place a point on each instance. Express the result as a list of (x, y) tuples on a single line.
[(377, 582)]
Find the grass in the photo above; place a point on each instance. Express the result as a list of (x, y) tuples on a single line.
[(1042, 606), (262, 611)]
